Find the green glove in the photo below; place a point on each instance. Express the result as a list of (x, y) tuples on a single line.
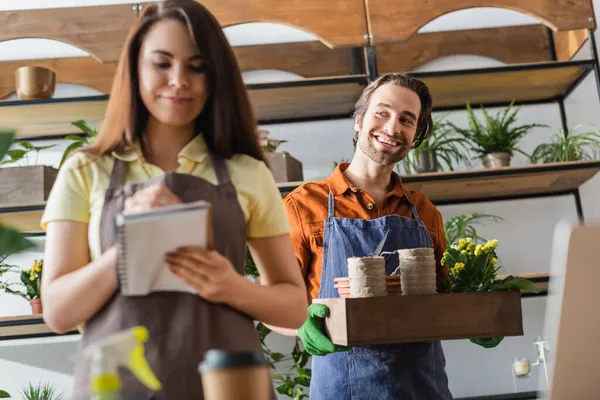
[(311, 332), (487, 343)]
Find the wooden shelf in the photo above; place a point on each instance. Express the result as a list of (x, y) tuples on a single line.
[(496, 184), (26, 219), (274, 102), (524, 83), (25, 326)]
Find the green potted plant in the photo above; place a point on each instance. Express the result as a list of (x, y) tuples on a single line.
[(26, 183), (473, 268), (496, 138), (90, 133), (568, 146), (439, 152), (284, 167), (30, 286)]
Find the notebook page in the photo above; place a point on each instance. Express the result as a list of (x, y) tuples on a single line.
[(146, 242)]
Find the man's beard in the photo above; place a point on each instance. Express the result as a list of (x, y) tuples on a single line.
[(384, 158)]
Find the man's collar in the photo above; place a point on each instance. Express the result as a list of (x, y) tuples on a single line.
[(339, 184), (196, 150)]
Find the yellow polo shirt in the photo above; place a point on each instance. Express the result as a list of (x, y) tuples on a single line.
[(78, 192)]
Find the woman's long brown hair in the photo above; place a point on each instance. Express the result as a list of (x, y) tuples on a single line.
[(227, 121)]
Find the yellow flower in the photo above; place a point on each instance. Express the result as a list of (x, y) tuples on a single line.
[(461, 244), (469, 240), (459, 266), (463, 252), (478, 249), (471, 248), (494, 261)]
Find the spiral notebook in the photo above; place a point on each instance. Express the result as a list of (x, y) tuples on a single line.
[(144, 238)]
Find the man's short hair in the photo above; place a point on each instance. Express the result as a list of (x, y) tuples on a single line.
[(425, 122)]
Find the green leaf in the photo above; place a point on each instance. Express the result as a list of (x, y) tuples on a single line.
[(487, 343), (44, 147), (12, 241), (514, 283), (277, 356), (6, 139), (26, 145), (4, 395), (76, 138), (68, 150), (86, 127), (16, 154)]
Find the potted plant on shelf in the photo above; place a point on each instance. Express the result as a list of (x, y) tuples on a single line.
[(568, 146), (495, 139), (439, 152), (31, 282), (284, 167), (473, 268)]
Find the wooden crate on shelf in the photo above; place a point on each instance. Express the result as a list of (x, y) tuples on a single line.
[(26, 186), (284, 167), (403, 319)]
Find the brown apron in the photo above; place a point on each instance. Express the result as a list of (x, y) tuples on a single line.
[(182, 326)]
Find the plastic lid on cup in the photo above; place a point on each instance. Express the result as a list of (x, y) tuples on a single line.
[(223, 359)]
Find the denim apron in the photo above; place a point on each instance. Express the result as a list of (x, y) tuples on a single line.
[(412, 371)]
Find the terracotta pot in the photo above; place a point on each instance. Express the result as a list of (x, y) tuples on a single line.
[(496, 160), (36, 306), (392, 285), (34, 83)]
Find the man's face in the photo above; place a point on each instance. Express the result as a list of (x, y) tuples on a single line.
[(387, 130)]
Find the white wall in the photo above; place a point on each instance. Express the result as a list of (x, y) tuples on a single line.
[(525, 237)]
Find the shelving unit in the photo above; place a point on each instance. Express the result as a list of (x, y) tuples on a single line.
[(364, 40)]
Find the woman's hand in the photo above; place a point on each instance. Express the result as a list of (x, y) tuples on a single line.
[(208, 272), (157, 195)]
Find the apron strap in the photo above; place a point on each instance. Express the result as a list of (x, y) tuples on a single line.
[(117, 176), (220, 167), (414, 211), (330, 206)]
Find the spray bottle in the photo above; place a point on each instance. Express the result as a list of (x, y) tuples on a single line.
[(125, 349)]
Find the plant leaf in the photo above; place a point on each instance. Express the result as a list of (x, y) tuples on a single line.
[(512, 283), (12, 241), (4, 395)]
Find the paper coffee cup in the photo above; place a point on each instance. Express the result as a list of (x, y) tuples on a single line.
[(230, 375)]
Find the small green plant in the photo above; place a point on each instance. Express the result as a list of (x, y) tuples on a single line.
[(31, 279), (496, 134), (292, 382), (43, 391), (90, 132), (20, 155), (568, 147), (461, 226), (268, 145), (443, 148)]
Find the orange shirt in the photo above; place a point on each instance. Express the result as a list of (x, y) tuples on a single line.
[(307, 209)]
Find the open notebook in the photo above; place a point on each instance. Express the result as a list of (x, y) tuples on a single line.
[(144, 238)]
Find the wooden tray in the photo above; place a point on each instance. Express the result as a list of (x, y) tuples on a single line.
[(397, 319)]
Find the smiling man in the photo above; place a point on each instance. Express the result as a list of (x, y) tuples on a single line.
[(349, 214)]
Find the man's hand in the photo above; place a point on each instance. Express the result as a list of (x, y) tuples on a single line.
[(311, 332)]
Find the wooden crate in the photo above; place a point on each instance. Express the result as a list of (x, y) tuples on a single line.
[(284, 167), (398, 319), (26, 186)]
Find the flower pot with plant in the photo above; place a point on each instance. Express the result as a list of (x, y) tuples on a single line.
[(27, 183), (568, 146), (284, 167), (30, 286), (441, 151), (473, 268), (496, 139)]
